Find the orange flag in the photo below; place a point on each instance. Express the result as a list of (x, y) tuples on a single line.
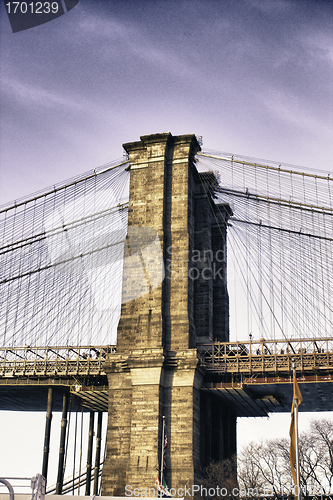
[(297, 396)]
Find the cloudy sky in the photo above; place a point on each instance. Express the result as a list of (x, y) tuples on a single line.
[(253, 77)]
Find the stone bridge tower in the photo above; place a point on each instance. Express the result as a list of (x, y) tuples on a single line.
[(174, 298)]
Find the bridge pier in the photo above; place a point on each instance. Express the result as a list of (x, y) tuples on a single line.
[(218, 430), (62, 447), (47, 437), (98, 451), (173, 300), (90, 451)]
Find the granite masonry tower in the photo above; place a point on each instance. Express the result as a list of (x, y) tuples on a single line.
[(174, 299)]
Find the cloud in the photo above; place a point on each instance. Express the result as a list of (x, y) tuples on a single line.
[(131, 42), (34, 95), (318, 46), (271, 9), (294, 111)]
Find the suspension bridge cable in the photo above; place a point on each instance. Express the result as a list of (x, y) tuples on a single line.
[(298, 263), (61, 252)]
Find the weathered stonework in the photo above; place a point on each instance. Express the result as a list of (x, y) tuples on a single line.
[(155, 371)]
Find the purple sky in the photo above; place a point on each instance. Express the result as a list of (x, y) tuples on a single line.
[(253, 77)]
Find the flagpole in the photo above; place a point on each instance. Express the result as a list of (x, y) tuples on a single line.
[(162, 451)]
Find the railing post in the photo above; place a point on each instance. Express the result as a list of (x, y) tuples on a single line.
[(9, 487), (98, 451), (47, 433), (60, 477), (90, 450)]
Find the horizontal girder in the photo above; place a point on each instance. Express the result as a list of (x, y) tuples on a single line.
[(253, 377), (267, 356), (250, 358), (65, 362)]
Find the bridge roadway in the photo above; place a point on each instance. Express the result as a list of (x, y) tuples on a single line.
[(254, 377)]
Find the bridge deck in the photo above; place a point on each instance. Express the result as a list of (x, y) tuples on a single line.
[(255, 378)]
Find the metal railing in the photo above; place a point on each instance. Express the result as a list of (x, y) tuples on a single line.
[(30, 361), (263, 356), (267, 356), (34, 485)]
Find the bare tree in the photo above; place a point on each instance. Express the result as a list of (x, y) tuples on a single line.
[(263, 466), (322, 432), (219, 479), (266, 465), (249, 467)]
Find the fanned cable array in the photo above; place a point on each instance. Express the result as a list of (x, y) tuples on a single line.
[(61, 255), (280, 235)]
